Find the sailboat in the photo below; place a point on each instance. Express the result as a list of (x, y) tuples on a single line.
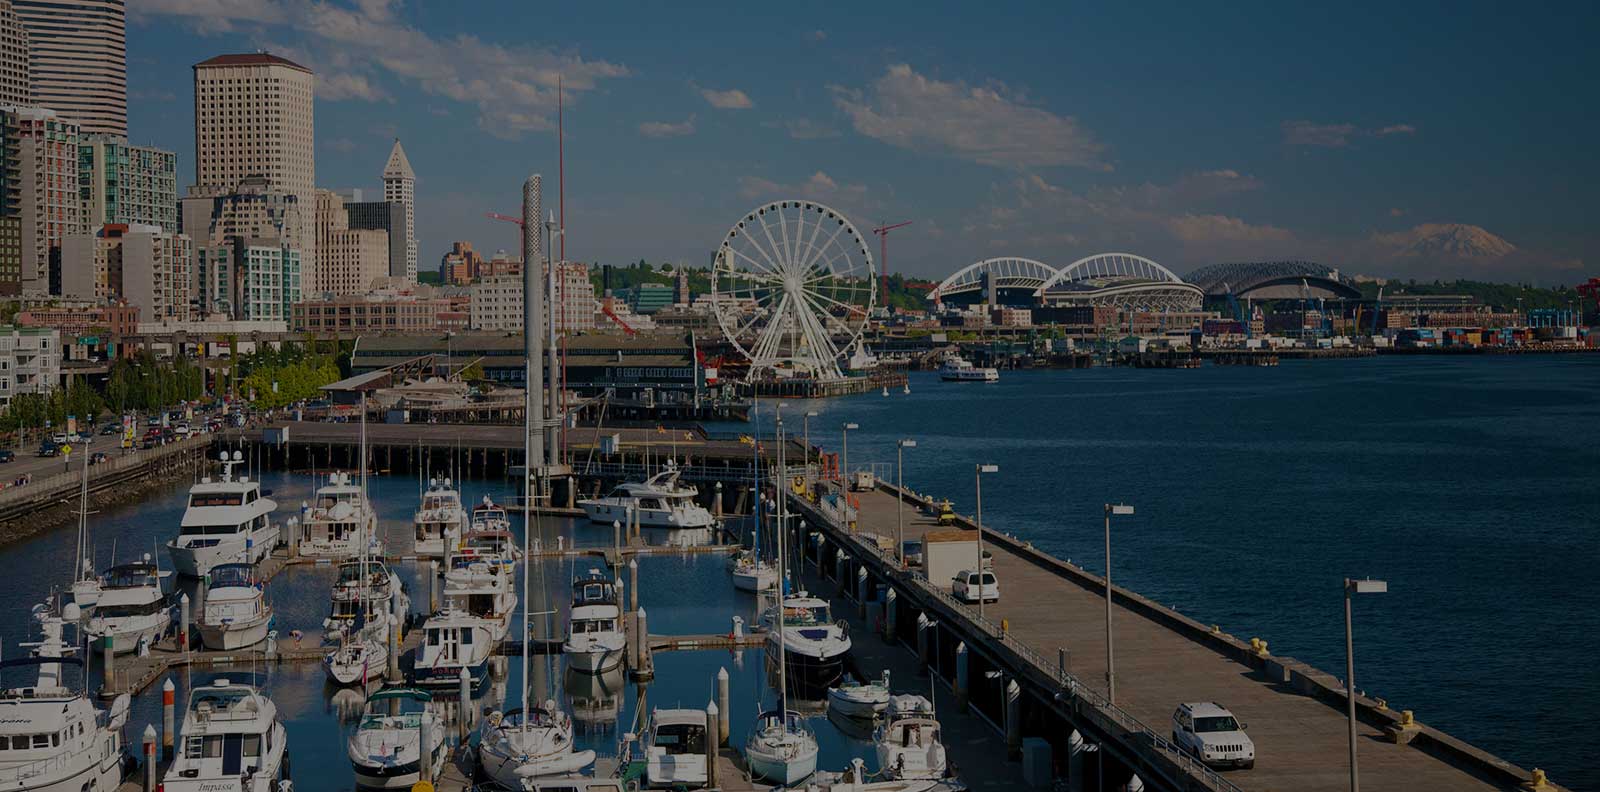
[(750, 571), (781, 748), (364, 596), (85, 588)]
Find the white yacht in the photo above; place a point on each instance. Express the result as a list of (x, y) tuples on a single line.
[(232, 740), (751, 573), (907, 743), (439, 520), (520, 745), (781, 748), (675, 749), (815, 647), (52, 739), (855, 699), (595, 640), (453, 640), (362, 653), (132, 608), (338, 522), (482, 586), (660, 502), (489, 516), (386, 747), (236, 613), (496, 545), (363, 587), (228, 520), (958, 369), (857, 779)]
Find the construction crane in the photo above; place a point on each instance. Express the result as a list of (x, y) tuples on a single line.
[(883, 258)]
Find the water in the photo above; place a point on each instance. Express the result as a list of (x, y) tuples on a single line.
[(1468, 483)]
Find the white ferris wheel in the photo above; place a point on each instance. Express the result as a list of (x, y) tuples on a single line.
[(792, 288)]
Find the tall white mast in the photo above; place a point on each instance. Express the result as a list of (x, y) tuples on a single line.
[(783, 575)]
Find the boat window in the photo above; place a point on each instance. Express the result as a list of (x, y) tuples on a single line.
[(681, 738), (232, 761), (252, 745), (433, 637), (649, 503), (466, 636), (215, 499), (250, 497), (209, 530), (213, 747), (55, 740), (123, 611)]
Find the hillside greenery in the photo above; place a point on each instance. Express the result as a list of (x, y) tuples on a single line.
[(1502, 296)]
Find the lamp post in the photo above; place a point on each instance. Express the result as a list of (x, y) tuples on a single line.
[(844, 459), (1352, 587), (1119, 509), (805, 427), (900, 498), (977, 484)]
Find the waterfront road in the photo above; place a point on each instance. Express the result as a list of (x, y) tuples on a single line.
[(1301, 741)]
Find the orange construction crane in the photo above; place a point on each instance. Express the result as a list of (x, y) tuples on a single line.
[(883, 257)]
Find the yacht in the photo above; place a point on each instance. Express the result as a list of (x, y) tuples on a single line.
[(659, 502), (338, 522), (526, 744), (453, 640), (493, 544), (815, 647), (228, 520), (84, 590), (232, 740), (595, 641), (482, 586), (675, 749), (907, 743), (854, 699), (439, 520), (386, 748), (957, 369), (751, 573), (857, 779), (781, 749), (362, 653), (132, 608), (236, 613), (52, 739), (364, 587), (489, 516)]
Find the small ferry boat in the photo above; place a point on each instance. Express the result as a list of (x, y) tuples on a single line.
[(595, 640), (439, 520), (236, 612), (132, 608), (520, 745), (232, 740), (659, 502), (815, 648), (675, 749), (228, 520), (957, 369), (453, 640), (386, 747), (908, 744), (338, 522)]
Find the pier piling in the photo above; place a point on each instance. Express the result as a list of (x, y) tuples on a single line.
[(394, 648), (465, 690), (961, 676), (168, 718), (425, 748), (722, 705), (714, 735), (889, 598), (108, 664), (149, 758), (1013, 714), (183, 623), (633, 584)]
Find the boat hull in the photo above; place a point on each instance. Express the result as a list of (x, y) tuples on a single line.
[(810, 676), (606, 511), (786, 772), (594, 661), (126, 638), (403, 775), (227, 637), (449, 676), (92, 775), (842, 702)]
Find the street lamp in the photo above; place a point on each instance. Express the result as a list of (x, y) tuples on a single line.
[(977, 483), (1119, 509), (1351, 587), (900, 498), (844, 459)]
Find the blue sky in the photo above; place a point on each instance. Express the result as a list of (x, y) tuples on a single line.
[(1389, 139)]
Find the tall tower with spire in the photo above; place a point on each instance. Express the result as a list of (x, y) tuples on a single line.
[(400, 186)]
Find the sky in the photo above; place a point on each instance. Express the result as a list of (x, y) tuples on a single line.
[(1394, 140)]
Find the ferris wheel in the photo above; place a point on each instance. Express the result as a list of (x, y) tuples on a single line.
[(792, 287)]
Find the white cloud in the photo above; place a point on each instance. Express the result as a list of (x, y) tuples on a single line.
[(512, 87), (731, 99), (337, 87), (661, 129), (988, 125), (1206, 229), (1396, 129), (1309, 133), (803, 129), (819, 187), (342, 145)]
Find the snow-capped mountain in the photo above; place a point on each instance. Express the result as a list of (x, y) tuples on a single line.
[(1446, 241)]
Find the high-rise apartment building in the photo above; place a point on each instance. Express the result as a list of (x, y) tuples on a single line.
[(385, 216), (400, 186), (219, 221), (253, 120), (78, 57), (143, 266), (15, 86), (351, 258), (127, 185), (39, 168), (497, 301), (249, 278)]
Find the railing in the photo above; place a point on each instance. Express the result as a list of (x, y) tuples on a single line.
[(74, 476), (632, 471)]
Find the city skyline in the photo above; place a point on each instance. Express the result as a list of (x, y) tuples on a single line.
[(1240, 136)]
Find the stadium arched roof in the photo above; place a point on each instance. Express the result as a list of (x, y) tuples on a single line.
[(1274, 280)]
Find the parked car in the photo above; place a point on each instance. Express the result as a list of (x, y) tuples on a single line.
[(110, 429), (49, 448), (181, 429), (967, 587), (60, 438), (1209, 731), (7, 455)]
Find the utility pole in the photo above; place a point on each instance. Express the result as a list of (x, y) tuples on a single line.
[(883, 256)]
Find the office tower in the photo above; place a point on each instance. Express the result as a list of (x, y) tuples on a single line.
[(127, 185), (78, 60), (351, 258), (221, 221), (385, 216), (400, 186), (15, 86)]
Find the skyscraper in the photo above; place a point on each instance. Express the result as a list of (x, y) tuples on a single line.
[(15, 83), (79, 60), (253, 118), (400, 186), (351, 258), (123, 184)]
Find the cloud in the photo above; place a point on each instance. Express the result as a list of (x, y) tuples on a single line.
[(803, 129), (731, 99), (987, 125), (337, 87), (819, 187), (513, 87), (818, 35), (1308, 133), (1397, 212), (1211, 228), (341, 145), (661, 129)]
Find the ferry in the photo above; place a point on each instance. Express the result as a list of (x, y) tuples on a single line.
[(232, 740), (957, 369), (228, 520), (339, 522), (659, 502), (439, 520)]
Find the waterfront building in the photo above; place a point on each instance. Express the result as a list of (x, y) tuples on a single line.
[(140, 265), (400, 186), (15, 75), (385, 216), (253, 119), (78, 60), (379, 312), (497, 301), (40, 204), (130, 185), (647, 298), (351, 258), (30, 361)]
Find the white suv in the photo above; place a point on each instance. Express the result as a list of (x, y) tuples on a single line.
[(967, 588), (1210, 732)]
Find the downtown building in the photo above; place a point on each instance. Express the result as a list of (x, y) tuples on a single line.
[(30, 361), (16, 89), (142, 266), (78, 60), (351, 258), (127, 185), (400, 187), (497, 301), (39, 198), (247, 262)]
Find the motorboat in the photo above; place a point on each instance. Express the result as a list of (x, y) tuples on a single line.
[(453, 640), (439, 520), (957, 369), (338, 522), (386, 747), (816, 648), (675, 749), (855, 699), (524, 744), (907, 743), (781, 748), (52, 738), (132, 609), (228, 520), (856, 779), (362, 653), (364, 587), (236, 613), (494, 544), (658, 502), (753, 574), (489, 516), (482, 586), (595, 641), (231, 740)]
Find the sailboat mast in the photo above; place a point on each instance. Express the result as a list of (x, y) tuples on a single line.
[(83, 522), (783, 575)]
